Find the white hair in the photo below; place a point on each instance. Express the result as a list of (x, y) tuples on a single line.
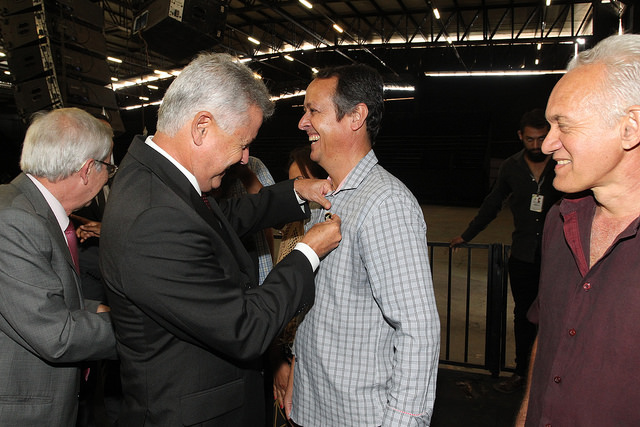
[(59, 142), (213, 82), (620, 89)]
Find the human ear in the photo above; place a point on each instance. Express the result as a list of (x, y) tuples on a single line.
[(359, 116), (85, 170), (200, 126), (630, 129)]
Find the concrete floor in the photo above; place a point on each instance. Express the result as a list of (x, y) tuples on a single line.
[(466, 397), (443, 224)]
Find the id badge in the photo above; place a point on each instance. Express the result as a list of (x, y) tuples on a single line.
[(536, 202)]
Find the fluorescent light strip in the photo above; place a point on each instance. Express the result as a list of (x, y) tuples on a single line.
[(491, 73), (289, 95), (306, 4), (401, 88), (135, 107), (399, 99)]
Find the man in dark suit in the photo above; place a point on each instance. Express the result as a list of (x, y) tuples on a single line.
[(46, 326), (190, 320)]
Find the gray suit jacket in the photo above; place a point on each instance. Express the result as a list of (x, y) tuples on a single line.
[(46, 328)]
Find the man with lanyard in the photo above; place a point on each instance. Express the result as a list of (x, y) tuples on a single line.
[(525, 179)]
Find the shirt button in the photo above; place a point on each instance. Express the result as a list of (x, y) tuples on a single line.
[(572, 332), (557, 379), (586, 286)]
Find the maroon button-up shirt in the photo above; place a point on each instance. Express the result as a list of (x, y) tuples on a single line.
[(587, 367)]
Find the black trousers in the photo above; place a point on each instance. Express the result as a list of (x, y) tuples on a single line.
[(524, 278)]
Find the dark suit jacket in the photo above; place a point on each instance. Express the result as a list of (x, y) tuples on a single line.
[(190, 320), (46, 328)]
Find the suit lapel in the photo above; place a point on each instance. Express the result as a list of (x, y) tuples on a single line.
[(180, 185), (41, 207), (208, 215)]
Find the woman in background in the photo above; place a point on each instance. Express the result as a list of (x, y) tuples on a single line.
[(300, 166)]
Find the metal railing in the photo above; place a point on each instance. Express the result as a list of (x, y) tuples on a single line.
[(472, 282)]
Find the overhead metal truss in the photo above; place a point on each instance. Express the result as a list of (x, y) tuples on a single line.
[(402, 38)]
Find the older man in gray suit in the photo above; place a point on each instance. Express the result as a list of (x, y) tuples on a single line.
[(46, 327)]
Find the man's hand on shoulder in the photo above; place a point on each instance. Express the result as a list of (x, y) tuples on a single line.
[(313, 190), (324, 236)]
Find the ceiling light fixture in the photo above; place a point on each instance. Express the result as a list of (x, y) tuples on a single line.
[(315, 70), (152, 87), (400, 87), (116, 60), (306, 4), (135, 107), (114, 79), (491, 73), (337, 28), (436, 13), (548, 2), (289, 95), (288, 58), (539, 46), (252, 40)]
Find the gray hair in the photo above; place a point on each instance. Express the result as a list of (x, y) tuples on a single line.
[(213, 82), (620, 88), (59, 142)]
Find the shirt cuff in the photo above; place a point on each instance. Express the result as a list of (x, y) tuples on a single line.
[(309, 253), (301, 201)]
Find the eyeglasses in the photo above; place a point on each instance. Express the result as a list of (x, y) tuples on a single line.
[(111, 168)]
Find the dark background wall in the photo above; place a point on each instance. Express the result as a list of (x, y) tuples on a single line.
[(444, 144)]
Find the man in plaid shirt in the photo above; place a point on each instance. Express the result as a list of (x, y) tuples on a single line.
[(367, 352)]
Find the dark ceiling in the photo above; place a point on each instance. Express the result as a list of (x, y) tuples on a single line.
[(403, 39)]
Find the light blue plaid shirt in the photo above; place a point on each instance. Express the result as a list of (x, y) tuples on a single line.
[(265, 259), (367, 352)]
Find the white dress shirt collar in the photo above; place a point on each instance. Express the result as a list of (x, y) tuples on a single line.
[(54, 204), (192, 179)]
